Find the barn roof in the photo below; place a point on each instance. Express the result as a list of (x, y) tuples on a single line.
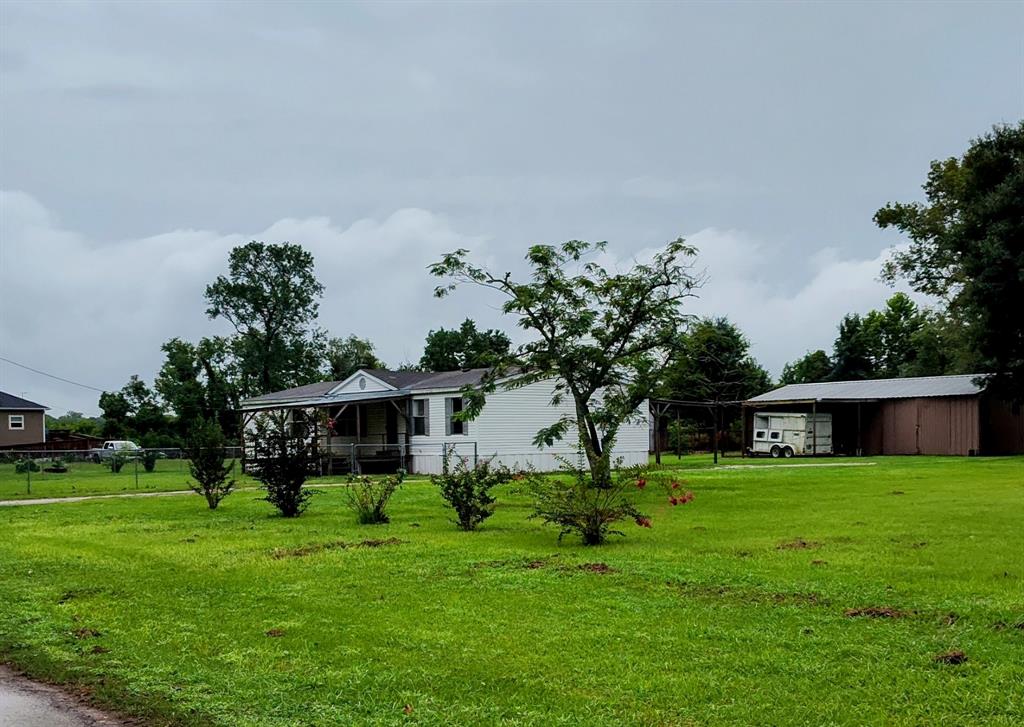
[(10, 401), (874, 389)]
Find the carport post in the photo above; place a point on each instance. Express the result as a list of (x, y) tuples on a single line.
[(715, 432), (860, 449), (814, 428)]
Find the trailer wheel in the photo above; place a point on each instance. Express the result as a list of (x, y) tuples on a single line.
[(787, 452), (776, 452)]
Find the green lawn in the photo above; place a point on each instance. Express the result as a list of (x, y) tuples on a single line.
[(730, 610)]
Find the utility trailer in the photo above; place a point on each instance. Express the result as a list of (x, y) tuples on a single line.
[(781, 434)]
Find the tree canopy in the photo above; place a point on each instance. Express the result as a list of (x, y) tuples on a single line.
[(714, 364), (345, 356), (967, 248), (604, 337), (272, 297), (464, 347), (813, 367)]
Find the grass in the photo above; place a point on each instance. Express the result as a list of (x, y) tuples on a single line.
[(730, 610)]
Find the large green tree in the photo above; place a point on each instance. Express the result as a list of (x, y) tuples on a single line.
[(967, 248), (136, 411), (812, 367), (714, 364), (345, 356), (851, 353), (605, 337), (198, 381), (464, 347), (272, 297)]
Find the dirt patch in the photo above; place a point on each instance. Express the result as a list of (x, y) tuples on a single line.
[(747, 595), (596, 568), (86, 633), (378, 543), (699, 529), (798, 544), (819, 562), (954, 657), (99, 650), (80, 593), (950, 619), (918, 546), (743, 554), (875, 612), (304, 550), (897, 492), (274, 633)]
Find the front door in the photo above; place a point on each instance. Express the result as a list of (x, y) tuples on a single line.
[(390, 423)]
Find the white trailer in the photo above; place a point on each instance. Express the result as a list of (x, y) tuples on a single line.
[(783, 434)]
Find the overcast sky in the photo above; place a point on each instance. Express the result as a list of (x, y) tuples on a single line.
[(139, 142)]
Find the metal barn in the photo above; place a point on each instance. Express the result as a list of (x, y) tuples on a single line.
[(949, 415)]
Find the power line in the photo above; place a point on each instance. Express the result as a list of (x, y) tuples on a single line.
[(58, 378)]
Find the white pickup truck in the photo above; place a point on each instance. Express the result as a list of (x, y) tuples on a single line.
[(122, 447)]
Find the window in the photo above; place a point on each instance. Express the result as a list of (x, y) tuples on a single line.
[(421, 417), (16, 421), (760, 434), (776, 436), (452, 406)]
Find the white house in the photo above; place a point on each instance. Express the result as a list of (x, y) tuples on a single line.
[(379, 420)]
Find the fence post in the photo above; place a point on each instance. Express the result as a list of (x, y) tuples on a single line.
[(29, 471), (136, 470), (475, 457)]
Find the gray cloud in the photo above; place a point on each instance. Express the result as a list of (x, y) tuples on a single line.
[(124, 124)]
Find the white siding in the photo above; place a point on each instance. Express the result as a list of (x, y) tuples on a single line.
[(505, 430)]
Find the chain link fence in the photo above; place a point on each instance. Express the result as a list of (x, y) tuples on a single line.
[(43, 472)]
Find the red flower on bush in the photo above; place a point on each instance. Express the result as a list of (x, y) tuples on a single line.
[(675, 485), (643, 521), (641, 483)]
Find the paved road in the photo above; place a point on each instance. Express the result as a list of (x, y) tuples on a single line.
[(24, 703)]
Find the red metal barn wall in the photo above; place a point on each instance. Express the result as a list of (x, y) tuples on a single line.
[(940, 425)]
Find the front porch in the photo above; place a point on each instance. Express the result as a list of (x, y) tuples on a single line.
[(352, 434)]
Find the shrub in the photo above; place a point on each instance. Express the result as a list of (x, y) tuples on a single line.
[(467, 490), (368, 498), (26, 465), (206, 449), (149, 457), (117, 462), (579, 507), (56, 466), (284, 453)]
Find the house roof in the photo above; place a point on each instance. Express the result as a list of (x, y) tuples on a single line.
[(405, 383), (874, 389), (10, 401)]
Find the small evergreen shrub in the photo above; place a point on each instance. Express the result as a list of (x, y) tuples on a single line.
[(467, 490), (149, 457), (206, 450), (117, 462), (284, 453), (368, 498)]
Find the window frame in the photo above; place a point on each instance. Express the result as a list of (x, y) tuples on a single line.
[(420, 422), (21, 422), (761, 435), (775, 436), (453, 427)]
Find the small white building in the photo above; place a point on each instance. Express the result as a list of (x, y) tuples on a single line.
[(378, 420)]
